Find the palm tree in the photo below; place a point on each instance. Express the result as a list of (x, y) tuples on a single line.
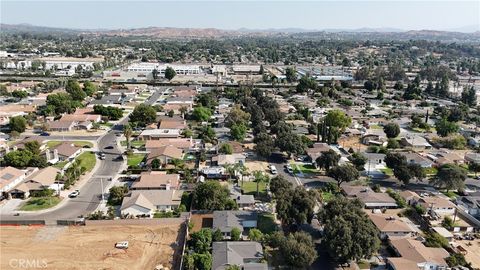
[(230, 168), (260, 177), (127, 132), (239, 167)]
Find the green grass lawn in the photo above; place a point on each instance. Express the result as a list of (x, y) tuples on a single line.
[(450, 194), (430, 171), (51, 144), (266, 223), (327, 196), (34, 204), (87, 160), (387, 171), (108, 124), (135, 159), (135, 144), (250, 188), (305, 168), (60, 165)]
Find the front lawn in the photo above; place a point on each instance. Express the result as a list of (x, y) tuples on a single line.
[(266, 223), (304, 168), (450, 194), (135, 159), (135, 144), (61, 164), (52, 144), (87, 160), (430, 171), (250, 188), (35, 204), (387, 171)]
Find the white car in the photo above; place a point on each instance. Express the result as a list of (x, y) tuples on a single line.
[(273, 170), (122, 245), (74, 194)]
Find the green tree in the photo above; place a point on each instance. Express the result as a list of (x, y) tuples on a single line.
[(394, 160), (343, 173), (201, 113), (19, 94), (327, 160), (447, 223), (143, 115), (203, 261), (33, 147), (201, 241), (225, 148), (237, 116), (449, 176), (279, 186), (18, 124), (170, 73), (295, 206), (469, 96), (333, 125), (298, 250), (291, 143), (73, 88), (238, 132), (348, 232), (18, 158), (210, 195), (264, 145), (217, 235), (474, 167), (445, 127), (391, 130), (60, 103), (127, 132), (155, 163), (291, 74), (260, 177), (155, 73), (255, 235), (116, 194), (235, 234), (89, 88), (358, 160)]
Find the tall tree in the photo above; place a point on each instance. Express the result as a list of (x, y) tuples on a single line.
[(348, 232), (391, 130), (143, 115), (327, 160), (17, 124), (210, 195), (127, 132), (344, 173), (450, 176), (170, 73)]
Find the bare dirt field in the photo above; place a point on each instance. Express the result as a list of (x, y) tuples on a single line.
[(89, 247)]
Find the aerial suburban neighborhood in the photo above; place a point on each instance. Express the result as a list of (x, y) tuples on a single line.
[(202, 148)]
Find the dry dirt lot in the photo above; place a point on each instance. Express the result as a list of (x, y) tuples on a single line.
[(89, 247), (473, 251)]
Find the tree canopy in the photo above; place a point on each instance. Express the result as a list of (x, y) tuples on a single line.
[(143, 115), (210, 195)]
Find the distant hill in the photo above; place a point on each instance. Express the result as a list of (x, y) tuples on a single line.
[(172, 32)]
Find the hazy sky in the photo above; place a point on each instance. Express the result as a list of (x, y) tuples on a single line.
[(407, 15)]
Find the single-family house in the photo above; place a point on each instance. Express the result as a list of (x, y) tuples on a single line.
[(224, 159), (369, 198), (247, 255), (415, 158), (156, 134), (316, 151), (414, 255), (182, 143), (67, 151), (415, 141), (470, 204), (391, 227), (156, 180), (214, 172), (225, 221), (147, 202), (42, 179), (438, 205), (165, 154), (9, 178), (472, 158), (242, 200)]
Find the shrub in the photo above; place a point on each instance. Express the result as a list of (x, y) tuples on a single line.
[(398, 199)]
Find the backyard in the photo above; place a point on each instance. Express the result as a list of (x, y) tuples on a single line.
[(34, 203)]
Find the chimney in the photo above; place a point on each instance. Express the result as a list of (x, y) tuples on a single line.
[(55, 154)]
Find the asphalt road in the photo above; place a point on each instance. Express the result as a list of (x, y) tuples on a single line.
[(91, 191)]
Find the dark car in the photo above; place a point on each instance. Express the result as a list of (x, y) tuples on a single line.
[(109, 147), (44, 134)]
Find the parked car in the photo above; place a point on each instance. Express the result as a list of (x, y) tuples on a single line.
[(74, 194), (109, 147), (44, 134), (273, 170), (289, 168), (122, 245)]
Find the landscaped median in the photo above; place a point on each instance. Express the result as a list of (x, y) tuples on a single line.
[(52, 144)]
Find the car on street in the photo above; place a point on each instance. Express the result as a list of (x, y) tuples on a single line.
[(44, 134), (109, 147), (74, 194)]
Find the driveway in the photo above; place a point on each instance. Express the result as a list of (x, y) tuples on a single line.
[(9, 207)]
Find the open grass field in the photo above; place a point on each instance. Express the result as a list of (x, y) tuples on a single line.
[(34, 204), (90, 247)]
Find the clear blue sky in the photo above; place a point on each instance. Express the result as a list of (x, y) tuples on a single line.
[(407, 15)]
